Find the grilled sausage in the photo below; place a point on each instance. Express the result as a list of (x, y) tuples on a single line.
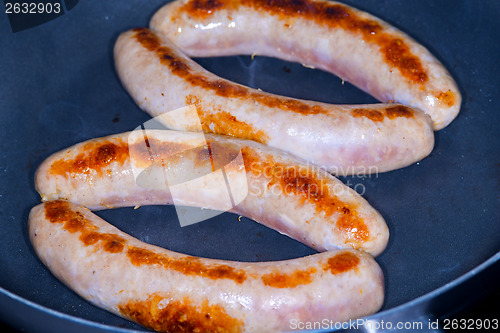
[(173, 292), (149, 167), (348, 139), (352, 44)]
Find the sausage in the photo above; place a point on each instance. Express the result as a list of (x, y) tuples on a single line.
[(173, 292), (345, 140), (152, 167), (331, 36)]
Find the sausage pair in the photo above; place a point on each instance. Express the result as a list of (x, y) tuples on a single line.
[(173, 292), (358, 47)]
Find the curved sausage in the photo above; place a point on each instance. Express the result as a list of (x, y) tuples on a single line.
[(148, 167), (349, 139), (173, 292), (352, 44)]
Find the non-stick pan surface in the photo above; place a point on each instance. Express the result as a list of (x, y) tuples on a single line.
[(59, 87)]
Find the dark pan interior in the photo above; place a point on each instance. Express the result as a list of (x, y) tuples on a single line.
[(59, 87)]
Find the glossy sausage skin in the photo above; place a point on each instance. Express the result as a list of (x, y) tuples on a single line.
[(173, 292), (343, 139), (268, 186), (352, 44)]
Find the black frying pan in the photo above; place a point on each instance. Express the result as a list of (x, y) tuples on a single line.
[(59, 87)]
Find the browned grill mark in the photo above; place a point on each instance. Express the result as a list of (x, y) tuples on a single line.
[(342, 262), (371, 114), (446, 97), (398, 111), (59, 211), (95, 156), (222, 122), (391, 112), (281, 280), (226, 124), (204, 8), (186, 265), (167, 314), (211, 156), (395, 50), (180, 67), (303, 182)]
